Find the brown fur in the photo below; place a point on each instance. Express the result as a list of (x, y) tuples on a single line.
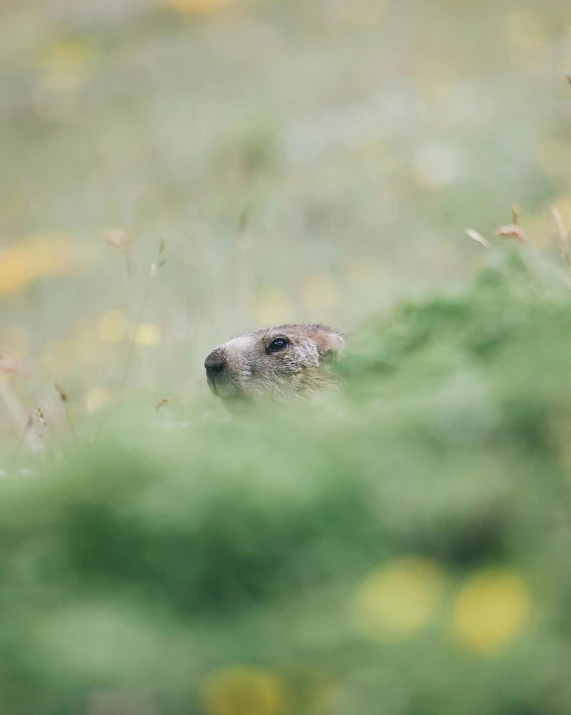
[(243, 370)]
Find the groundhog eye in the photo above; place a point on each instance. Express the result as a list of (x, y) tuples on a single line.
[(278, 344)]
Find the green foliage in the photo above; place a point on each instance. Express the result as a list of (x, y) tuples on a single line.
[(406, 543), (180, 566)]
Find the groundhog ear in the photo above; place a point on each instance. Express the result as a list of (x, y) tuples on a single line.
[(329, 343)]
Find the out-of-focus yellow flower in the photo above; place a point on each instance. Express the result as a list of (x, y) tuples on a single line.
[(64, 68), (66, 65), (96, 398), (243, 691), (15, 342), (39, 255), (273, 308), (146, 334), (196, 6), (319, 292), (111, 327), (525, 29), (491, 609), (396, 602)]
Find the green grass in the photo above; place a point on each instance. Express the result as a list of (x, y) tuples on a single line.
[(407, 542), (153, 562)]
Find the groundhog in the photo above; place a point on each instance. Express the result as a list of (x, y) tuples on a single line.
[(281, 364)]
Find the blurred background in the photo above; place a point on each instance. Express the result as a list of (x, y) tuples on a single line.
[(288, 160), (176, 171)]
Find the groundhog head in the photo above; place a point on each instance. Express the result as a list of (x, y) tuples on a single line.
[(282, 364)]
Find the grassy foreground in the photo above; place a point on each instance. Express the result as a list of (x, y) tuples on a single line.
[(403, 549)]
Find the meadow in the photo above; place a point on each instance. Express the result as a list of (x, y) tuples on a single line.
[(176, 171), (303, 162)]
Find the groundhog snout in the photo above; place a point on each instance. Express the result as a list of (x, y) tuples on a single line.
[(215, 363)]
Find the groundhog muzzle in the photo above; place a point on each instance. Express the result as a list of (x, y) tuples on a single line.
[(280, 364)]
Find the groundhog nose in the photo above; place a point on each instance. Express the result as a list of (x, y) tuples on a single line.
[(215, 363)]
